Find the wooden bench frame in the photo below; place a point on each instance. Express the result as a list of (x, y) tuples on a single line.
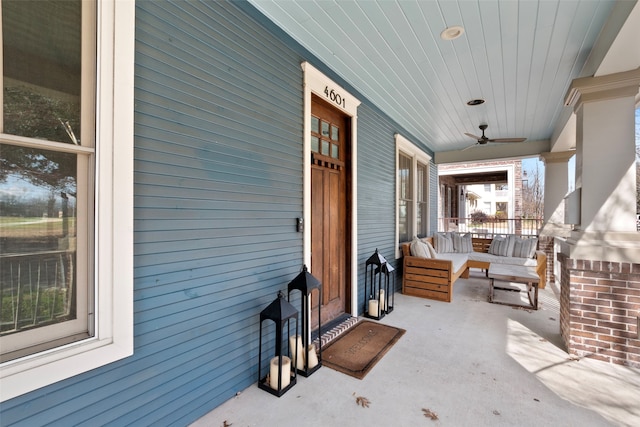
[(434, 278)]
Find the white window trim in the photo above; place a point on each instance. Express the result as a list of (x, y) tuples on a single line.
[(114, 218), (417, 155)]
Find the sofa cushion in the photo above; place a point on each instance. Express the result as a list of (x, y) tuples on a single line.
[(499, 259), (458, 260), (420, 249), (443, 242), (524, 248), (462, 243)]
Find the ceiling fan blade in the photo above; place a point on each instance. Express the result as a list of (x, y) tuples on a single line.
[(470, 135), (471, 146), (508, 140)]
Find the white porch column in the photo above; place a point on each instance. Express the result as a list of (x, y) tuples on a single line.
[(605, 165), (556, 186)]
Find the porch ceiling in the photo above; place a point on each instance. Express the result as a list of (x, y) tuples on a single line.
[(520, 57)]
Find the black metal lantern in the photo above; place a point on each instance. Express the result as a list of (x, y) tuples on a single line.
[(389, 284), (374, 295), (281, 377), (307, 360)]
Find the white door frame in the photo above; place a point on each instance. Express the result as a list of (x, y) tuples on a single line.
[(319, 84)]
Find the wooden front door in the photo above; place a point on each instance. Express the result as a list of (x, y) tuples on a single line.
[(330, 231)]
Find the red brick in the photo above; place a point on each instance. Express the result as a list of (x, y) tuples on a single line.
[(600, 302), (618, 311), (596, 330), (577, 281), (596, 288), (612, 297), (586, 334), (611, 339), (612, 325), (583, 320)]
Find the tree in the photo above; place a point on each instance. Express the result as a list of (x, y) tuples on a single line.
[(532, 194)]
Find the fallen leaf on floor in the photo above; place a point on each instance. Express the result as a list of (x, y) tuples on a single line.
[(362, 401), (537, 400), (496, 412), (573, 358), (552, 318), (430, 414), (543, 340), (427, 305), (226, 424)]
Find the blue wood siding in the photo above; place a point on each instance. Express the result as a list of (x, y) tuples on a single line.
[(218, 185)]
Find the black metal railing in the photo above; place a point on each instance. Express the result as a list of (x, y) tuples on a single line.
[(492, 226)]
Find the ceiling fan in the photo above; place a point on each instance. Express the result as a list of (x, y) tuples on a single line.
[(482, 140)]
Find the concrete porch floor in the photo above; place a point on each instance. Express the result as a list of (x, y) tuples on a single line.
[(471, 362)]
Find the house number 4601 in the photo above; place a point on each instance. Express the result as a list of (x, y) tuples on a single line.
[(335, 97)]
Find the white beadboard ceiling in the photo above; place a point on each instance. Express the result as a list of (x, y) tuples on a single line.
[(520, 56)]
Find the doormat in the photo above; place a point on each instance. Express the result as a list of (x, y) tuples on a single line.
[(358, 350)]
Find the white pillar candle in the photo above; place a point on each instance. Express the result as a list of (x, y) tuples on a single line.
[(373, 307), (383, 303), (285, 374), (313, 357), (295, 345)]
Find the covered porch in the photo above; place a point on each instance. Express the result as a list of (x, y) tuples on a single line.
[(470, 363)]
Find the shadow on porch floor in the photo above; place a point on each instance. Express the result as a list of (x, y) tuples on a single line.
[(470, 362)]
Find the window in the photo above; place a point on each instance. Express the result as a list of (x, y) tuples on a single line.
[(62, 155), (412, 201), (405, 196), (45, 287), (487, 188), (422, 203)]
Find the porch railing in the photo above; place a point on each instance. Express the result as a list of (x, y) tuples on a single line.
[(36, 289), (492, 227)]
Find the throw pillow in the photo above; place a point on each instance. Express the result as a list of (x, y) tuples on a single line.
[(498, 246), (462, 243), (419, 249), (525, 248), (432, 250), (443, 242)]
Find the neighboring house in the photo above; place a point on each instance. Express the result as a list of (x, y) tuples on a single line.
[(494, 188)]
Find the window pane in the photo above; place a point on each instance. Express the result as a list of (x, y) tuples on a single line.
[(334, 151), (334, 133), (325, 129), (41, 81), (325, 148), (405, 178), (315, 124), (403, 221), (38, 234), (314, 144)]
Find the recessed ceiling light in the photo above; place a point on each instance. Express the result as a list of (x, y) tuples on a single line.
[(452, 33), (475, 102)]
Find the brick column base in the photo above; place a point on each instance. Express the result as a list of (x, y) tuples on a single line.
[(599, 309)]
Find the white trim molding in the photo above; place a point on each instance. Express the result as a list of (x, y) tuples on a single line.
[(417, 155), (321, 85)]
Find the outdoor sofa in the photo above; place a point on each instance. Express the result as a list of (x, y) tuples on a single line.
[(432, 265)]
